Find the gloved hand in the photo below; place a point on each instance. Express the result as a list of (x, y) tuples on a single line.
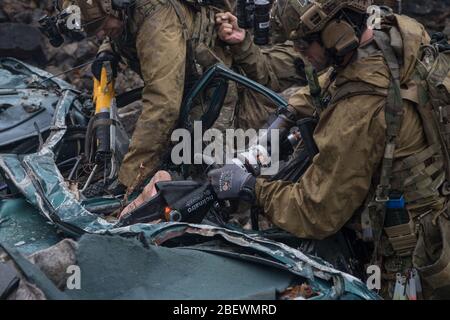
[(100, 59), (233, 182)]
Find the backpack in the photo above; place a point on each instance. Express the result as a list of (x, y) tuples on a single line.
[(432, 80), (433, 73)]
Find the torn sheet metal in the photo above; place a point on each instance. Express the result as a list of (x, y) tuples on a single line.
[(293, 260), (38, 179)]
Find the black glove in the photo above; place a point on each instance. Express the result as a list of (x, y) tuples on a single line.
[(100, 59), (233, 182)]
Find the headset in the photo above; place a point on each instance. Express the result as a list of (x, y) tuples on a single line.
[(341, 35)]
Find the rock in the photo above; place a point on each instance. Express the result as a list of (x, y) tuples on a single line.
[(432, 14), (29, 17), (3, 16), (127, 80), (23, 42), (447, 28), (14, 7), (129, 116), (422, 8)]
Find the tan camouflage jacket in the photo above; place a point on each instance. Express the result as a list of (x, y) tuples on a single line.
[(351, 138)]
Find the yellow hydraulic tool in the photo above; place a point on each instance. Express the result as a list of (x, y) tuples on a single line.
[(105, 118)]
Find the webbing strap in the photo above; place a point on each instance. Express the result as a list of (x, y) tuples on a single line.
[(197, 26), (181, 18), (428, 191), (210, 29), (393, 115), (414, 176), (426, 173), (418, 158), (314, 87), (419, 185), (203, 23)]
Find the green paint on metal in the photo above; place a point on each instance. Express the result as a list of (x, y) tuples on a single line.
[(22, 227)]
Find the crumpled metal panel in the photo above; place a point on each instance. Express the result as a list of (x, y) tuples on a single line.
[(14, 74), (53, 199), (39, 180), (175, 273), (292, 259), (26, 97), (37, 177), (22, 228), (20, 108)]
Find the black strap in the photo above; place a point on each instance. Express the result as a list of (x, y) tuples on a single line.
[(254, 217), (104, 123)]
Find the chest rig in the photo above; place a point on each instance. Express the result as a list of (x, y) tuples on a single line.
[(424, 177), (412, 188), (407, 190)]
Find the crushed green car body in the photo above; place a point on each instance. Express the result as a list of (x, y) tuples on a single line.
[(44, 210)]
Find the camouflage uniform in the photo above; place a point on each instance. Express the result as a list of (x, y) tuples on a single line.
[(351, 138), (160, 39), (167, 42), (278, 67)]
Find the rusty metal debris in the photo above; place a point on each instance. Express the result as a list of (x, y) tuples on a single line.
[(301, 291)]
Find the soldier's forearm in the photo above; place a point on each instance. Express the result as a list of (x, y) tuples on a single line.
[(250, 58), (284, 205)]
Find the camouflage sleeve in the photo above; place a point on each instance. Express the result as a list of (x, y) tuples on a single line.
[(162, 50), (350, 137), (275, 67)]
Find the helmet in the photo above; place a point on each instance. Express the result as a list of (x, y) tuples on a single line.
[(301, 18)]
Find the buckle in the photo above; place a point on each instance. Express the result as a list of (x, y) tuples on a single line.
[(382, 199), (382, 193)]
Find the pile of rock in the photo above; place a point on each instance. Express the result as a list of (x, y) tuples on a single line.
[(20, 38), (433, 14)]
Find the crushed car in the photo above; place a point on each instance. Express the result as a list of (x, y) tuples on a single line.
[(51, 219)]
